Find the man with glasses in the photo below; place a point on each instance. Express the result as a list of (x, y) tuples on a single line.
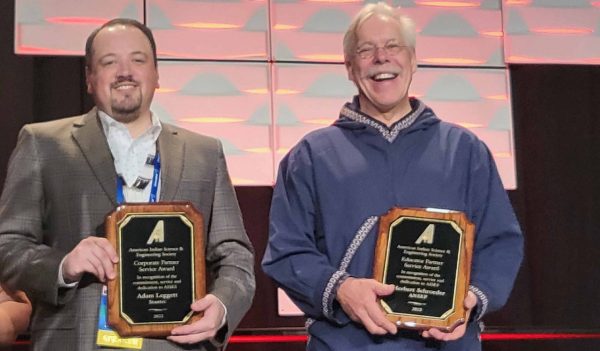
[(386, 150)]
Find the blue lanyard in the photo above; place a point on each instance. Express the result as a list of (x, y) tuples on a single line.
[(153, 189)]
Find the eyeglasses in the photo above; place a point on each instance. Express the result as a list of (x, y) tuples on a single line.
[(368, 51)]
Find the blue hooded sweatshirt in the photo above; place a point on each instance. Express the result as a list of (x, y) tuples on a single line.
[(335, 183)]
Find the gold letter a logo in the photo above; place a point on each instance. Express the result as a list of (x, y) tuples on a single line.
[(427, 235), (158, 233)]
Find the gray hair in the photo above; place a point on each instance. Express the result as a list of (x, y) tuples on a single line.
[(405, 23)]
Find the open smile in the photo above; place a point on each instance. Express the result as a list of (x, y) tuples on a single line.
[(124, 85), (379, 77)]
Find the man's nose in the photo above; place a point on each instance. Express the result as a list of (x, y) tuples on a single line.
[(380, 54), (124, 68)]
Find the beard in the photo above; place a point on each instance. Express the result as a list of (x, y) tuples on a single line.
[(126, 109)]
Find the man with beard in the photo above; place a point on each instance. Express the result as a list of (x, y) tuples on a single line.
[(386, 150), (65, 176)]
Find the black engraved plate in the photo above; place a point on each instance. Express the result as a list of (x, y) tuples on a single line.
[(424, 273), (156, 276)]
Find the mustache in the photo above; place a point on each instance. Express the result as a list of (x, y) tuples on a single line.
[(123, 79), (373, 71)]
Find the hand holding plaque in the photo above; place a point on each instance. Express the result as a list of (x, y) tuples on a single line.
[(427, 256), (161, 268)]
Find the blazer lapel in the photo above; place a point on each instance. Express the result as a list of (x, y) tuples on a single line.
[(88, 134), (171, 149)]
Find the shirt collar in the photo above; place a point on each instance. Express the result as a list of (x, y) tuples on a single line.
[(109, 123), (130, 155), (351, 111)]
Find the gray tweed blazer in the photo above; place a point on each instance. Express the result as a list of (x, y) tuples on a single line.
[(60, 185)]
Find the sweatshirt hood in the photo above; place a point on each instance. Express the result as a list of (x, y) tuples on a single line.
[(352, 118)]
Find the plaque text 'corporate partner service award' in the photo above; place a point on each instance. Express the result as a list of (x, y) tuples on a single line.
[(161, 268)]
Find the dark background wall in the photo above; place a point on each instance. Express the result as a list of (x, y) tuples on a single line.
[(557, 139)]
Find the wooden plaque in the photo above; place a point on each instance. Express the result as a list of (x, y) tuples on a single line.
[(161, 268), (427, 255)]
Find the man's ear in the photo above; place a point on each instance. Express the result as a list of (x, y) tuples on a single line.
[(349, 70), (87, 79)]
